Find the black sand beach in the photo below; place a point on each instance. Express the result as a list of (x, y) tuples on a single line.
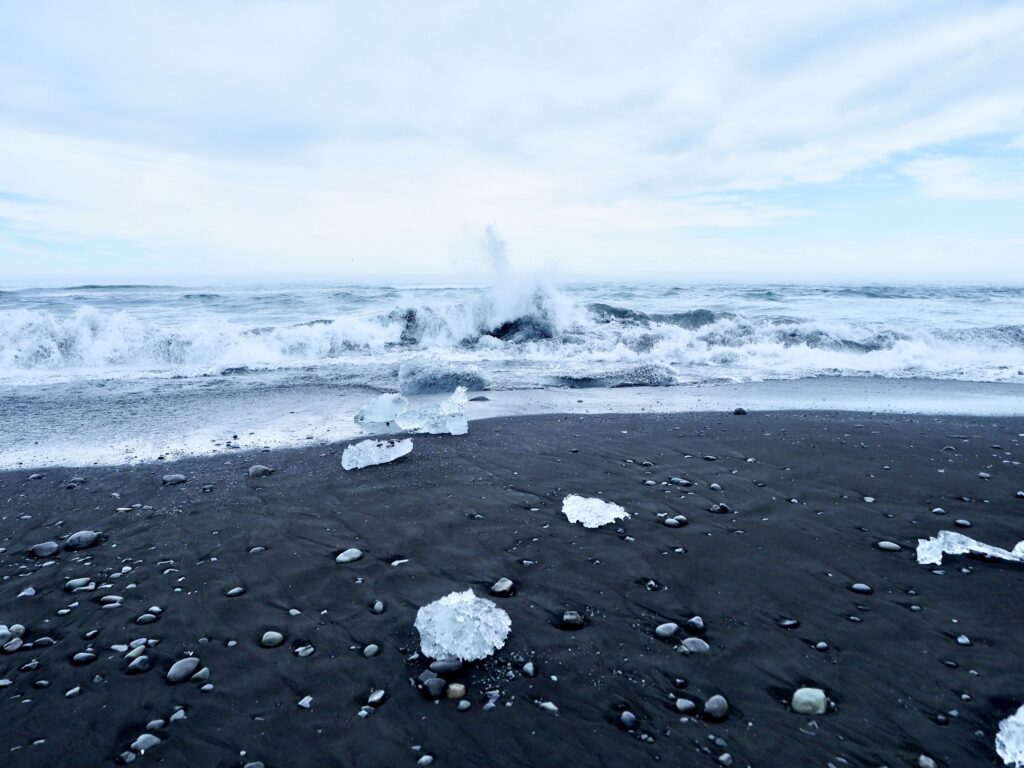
[(462, 512)]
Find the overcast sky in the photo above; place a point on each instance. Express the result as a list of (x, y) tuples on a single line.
[(253, 140)]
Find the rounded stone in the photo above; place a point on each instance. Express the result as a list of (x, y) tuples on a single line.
[(716, 708), (82, 540), (349, 555), (666, 630), (183, 669), (889, 546), (627, 720), (861, 588), (271, 639), (809, 701)]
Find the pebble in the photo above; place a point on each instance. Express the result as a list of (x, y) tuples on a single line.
[(258, 470), (305, 702), (183, 669), (685, 706), (349, 556), (83, 658), (961, 523), (425, 760), (572, 620), (789, 623), (716, 708), (963, 640), (271, 639), (174, 479), (371, 650), (235, 591), (809, 701), (502, 587), (695, 645), (82, 540), (889, 546), (529, 669), (45, 549), (666, 630), (695, 625), (377, 697), (378, 606), (139, 665), (144, 742), (926, 762), (446, 666), (861, 588), (740, 412), (455, 691), (675, 522), (627, 720)]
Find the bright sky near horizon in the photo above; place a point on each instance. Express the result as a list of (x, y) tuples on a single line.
[(249, 140)]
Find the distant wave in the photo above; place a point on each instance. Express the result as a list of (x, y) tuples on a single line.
[(524, 333)]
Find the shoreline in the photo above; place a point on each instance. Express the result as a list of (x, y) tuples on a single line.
[(460, 513), (128, 422)]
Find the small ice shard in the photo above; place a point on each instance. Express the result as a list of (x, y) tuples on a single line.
[(930, 551), (591, 513), (447, 418), (1010, 739), (370, 452), (385, 409), (461, 626)]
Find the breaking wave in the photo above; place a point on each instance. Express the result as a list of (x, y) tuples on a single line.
[(525, 334)]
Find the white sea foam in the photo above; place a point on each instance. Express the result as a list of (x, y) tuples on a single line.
[(1010, 739)]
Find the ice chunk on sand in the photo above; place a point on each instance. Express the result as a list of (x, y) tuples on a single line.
[(371, 452), (384, 409), (592, 513), (1010, 739), (448, 417), (462, 626), (930, 551)]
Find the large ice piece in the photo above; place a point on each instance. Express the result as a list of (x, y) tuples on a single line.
[(1010, 739), (370, 452), (446, 418), (462, 626), (591, 513), (930, 551), (384, 409)]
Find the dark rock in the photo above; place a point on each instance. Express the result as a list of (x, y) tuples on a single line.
[(82, 540), (45, 549)]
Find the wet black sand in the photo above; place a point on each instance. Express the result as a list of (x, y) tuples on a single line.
[(466, 511)]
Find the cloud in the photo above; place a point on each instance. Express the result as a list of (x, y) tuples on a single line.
[(333, 139), (962, 178)]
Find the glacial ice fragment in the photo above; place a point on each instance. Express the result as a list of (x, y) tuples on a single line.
[(591, 513), (462, 626), (370, 452), (1010, 739), (930, 551), (384, 409), (446, 418)]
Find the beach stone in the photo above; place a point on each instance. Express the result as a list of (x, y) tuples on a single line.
[(455, 691), (861, 588), (45, 549), (666, 630), (306, 702), (235, 591), (889, 546), (695, 625), (139, 665), (926, 762), (789, 623), (572, 620), (145, 741), (446, 666), (425, 760), (502, 587), (173, 479), (740, 412), (271, 639), (83, 658), (258, 470), (963, 640), (435, 687), (529, 669), (371, 650), (463, 705), (961, 523), (685, 706), (716, 708), (378, 606), (182, 669), (627, 720), (82, 540), (809, 701), (695, 645), (682, 482), (349, 555)]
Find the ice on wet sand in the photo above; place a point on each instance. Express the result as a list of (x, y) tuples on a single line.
[(930, 551), (463, 626), (384, 409), (1010, 739), (370, 452), (591, 513), (447, 417)]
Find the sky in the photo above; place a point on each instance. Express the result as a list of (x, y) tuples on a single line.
[(750, 141)]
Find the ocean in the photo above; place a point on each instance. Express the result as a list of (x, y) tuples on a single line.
[(114, 374), (524, 334)]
